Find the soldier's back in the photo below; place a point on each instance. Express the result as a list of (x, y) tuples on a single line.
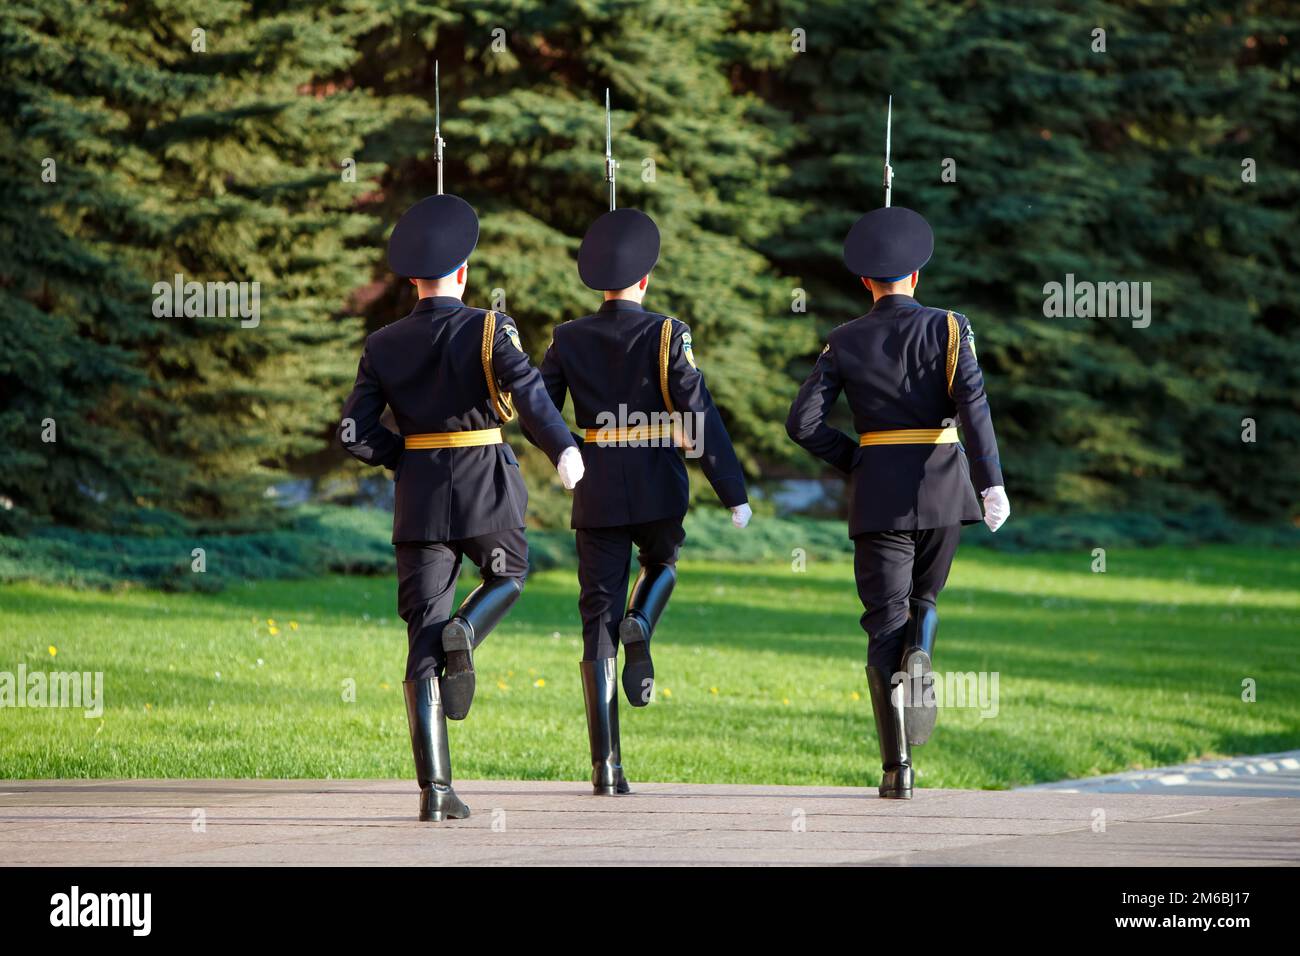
[(611, 366), (431, 367), (612, 359), (894, 364)]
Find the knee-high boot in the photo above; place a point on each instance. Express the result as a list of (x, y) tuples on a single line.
[(600, 692), (481, 611), (649, 597), (921, 709), (895, 755), (428, 727)]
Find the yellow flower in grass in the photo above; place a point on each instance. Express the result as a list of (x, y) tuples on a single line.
[(270, 622), (854, 695), (786, 701), (667, 692), (540, 682), (293, 625), (53, 650), (274, 631), (502, 685), (713, 691)]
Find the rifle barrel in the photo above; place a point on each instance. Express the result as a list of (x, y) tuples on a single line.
[(610, 165), (889, 170), (437, 123)]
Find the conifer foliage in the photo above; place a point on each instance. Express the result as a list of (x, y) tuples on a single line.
[(146, 141), (1068, 143), (239, 142)]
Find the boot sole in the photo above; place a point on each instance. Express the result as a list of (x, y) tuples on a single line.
[(442, 817), (638, 666), (458, 682), (617, 788), (439, 814), (918, 718), (895, 794)]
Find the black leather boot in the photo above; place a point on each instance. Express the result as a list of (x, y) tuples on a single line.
[(481, 611), (895, 755), (650, 593), (432, 758), (600, 691), (920, 710)]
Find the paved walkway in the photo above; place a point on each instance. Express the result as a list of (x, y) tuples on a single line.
[(213, 822), (1266, 775)]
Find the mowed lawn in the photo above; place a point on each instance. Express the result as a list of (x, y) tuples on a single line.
[(760, 675)]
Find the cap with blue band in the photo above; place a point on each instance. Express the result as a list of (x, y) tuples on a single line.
[(433, 238), (890, 241)]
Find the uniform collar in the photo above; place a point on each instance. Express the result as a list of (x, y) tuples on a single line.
[(621, 305), (438, 302), (894, 301)]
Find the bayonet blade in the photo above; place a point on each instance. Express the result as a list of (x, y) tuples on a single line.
[(889, 170), (437, 123), (610, 165)]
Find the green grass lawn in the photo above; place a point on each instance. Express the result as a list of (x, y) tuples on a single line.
[(760, 675)]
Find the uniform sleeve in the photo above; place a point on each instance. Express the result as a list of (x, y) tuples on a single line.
[(359, 428), (806, 424), (691, 396), (556, 385), (539, 417), (973, 410)]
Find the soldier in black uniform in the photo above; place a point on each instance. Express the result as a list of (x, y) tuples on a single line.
[(451, 375), (910, 374), (619, 364)]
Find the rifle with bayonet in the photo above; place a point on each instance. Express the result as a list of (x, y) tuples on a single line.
[(438, 141), (889, 170), (610, 165)]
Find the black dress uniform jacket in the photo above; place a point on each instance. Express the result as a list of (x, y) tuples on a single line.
[(427, 368), (892, 366), (611, 359)]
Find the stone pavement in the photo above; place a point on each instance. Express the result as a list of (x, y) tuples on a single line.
[(1265, 775), (361, 822)]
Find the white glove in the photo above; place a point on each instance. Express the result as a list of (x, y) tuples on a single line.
[(570, 467), (997, 509), (741, 514)]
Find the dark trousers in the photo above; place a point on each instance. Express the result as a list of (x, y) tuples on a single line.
[(893, 570), (426, 586), (603, 556)]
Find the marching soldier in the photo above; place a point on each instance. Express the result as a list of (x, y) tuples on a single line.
[(909, 373), (626, 364), (451, 375)]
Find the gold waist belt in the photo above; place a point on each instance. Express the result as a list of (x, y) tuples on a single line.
[(483, 436), (909, 436), (619, 436)]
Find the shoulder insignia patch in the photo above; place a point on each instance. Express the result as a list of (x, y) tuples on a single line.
[(826, 348), (970, 340), (687, 350), (513, 334)]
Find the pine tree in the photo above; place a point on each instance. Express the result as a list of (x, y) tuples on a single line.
[(523, 116), (1122, 165), (136, 148), (201, 139)]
